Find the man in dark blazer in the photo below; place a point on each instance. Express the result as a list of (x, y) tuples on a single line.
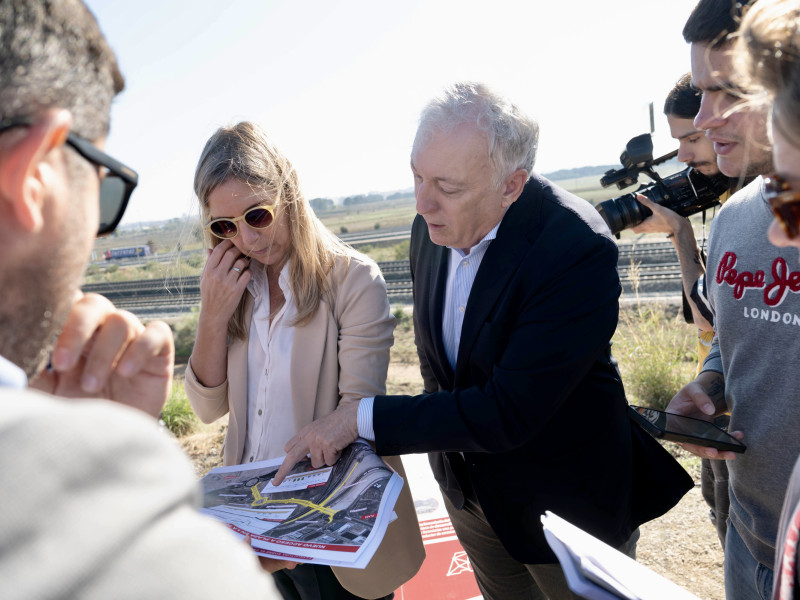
[(515, 302)]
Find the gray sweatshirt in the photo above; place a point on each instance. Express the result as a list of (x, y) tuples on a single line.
[(754, 290)]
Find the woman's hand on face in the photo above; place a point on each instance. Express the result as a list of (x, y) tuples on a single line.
[(223, 281)]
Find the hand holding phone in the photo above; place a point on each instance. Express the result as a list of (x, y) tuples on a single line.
[(678, 428)]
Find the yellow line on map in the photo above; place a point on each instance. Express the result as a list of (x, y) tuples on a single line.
[(259, 500)]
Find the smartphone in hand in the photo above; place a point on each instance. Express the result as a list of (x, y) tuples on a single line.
[(678, 428)]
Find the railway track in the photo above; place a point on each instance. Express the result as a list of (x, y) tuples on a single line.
[(652, 269)]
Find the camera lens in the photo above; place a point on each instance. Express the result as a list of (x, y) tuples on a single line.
[(623, 212)]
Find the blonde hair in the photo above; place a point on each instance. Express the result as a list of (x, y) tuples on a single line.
[(768, 60), (244, 152)]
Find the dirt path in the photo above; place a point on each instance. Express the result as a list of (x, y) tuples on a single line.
[(683, 547)]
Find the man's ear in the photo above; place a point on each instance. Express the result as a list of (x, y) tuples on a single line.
[(24, 173), (512, 187)]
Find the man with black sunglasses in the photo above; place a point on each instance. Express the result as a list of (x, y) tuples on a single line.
[(753, 290), (98, 502)]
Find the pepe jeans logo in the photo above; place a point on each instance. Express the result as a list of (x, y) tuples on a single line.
[(783, 281)]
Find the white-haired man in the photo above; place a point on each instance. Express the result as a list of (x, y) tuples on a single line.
[(515, 302)]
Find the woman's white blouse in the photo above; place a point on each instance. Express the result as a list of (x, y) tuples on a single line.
[(270, 416)]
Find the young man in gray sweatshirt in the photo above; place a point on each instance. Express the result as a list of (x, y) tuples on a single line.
[(753, 288)]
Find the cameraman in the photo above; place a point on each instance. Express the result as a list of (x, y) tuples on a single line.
[(697, 151)]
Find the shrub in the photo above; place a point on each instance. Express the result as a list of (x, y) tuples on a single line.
[(403, 318), (178, 415), (657, 354), (185, 332), (401, 250), (404, 352), (195, 260), (343, 229)]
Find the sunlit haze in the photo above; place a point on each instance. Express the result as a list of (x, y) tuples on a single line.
[(339, 84)]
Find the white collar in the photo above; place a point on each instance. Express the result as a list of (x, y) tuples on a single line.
[(11, 375)]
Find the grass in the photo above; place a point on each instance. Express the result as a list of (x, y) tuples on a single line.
[(589, 188), (404, 352), (187, 265), (657, 354), (185, 332), (178, 415), (386, 253), (372, 216), (656, 350)]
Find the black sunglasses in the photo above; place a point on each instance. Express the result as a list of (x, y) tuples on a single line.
[(116, 184), (785, 204), (227, 228)]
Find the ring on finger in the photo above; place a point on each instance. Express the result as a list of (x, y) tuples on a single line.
[(237, 269)]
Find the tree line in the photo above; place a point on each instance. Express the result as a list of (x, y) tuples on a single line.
[(323, 204)]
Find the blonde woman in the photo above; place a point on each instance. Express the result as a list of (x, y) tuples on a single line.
[(292, 323)]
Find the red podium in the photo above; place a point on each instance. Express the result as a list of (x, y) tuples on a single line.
[(446, 573)]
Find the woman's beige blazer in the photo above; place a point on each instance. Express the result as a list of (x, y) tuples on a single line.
[(342, 354)]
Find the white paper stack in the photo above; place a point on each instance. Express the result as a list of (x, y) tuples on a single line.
[(331, 516), (596, 571)]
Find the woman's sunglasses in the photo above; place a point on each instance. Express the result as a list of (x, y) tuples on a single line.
[(785, 204), (258, 217)]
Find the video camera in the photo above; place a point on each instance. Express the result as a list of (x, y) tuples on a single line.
[(686, 192)]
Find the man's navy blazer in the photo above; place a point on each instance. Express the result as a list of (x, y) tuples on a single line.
[(534, 417)]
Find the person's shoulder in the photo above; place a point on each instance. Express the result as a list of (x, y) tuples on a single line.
[(20, 406), (551, 217), (116, 495), (355, 269), (752, 192), (82, 433), (559, 204), (358, 260), (744, 209)]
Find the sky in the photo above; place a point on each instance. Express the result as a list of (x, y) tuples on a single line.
[(339, 84)]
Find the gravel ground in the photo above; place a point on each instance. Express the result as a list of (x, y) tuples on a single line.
[(683, 547)]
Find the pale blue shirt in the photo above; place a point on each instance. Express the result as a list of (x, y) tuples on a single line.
[(462, 269), (11, 375)]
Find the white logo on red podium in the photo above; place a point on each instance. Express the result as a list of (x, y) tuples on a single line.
[(459, 564)]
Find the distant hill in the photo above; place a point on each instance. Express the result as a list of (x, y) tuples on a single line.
[(664, 169), (578, 172)]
